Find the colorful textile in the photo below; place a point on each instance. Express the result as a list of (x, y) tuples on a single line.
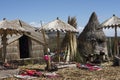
[(89, 66), (25, 77), (31, 73), (51, 75), (47, 57)]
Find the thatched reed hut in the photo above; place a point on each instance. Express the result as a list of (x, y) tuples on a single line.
[(26, 45), (57, 27), (92, 39), (113, 22)]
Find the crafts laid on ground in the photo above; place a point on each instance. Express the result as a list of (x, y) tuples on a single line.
[(89, 66), (61, 65), (25, 77)]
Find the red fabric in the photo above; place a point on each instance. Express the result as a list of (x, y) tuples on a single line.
[(89, 66), (92, 67), (78, 65), (46, 57), (30, 72)]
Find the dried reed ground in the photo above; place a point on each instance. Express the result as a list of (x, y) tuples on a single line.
[(107, 73)]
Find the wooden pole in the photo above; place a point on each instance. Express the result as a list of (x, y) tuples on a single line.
[(46, 50), (110, 48), (43, 32), (58, 45), (4, 43), (115, 43)]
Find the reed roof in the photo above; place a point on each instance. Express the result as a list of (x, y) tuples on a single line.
[(33, 33), (6, 27), (92, 30), (113, 21), (58, 25)]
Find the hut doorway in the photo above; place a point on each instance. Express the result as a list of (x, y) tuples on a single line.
[(24, 47)]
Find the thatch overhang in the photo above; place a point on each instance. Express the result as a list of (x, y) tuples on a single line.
[(10, 28), (37, 36), (112, 22), (58, 25)]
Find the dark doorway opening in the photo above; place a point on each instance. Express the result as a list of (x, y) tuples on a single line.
[(24, 47)]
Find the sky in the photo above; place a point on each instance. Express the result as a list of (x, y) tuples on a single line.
[(34, 11)]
